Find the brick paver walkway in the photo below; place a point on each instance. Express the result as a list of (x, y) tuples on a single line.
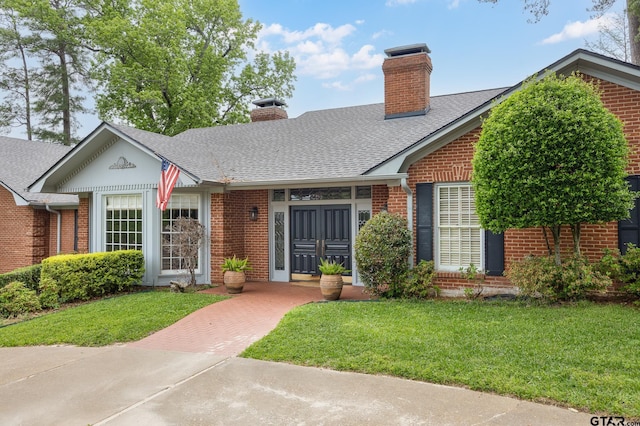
[(226, 328)]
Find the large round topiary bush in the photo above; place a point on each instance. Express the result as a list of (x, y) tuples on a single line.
[(382, 250)]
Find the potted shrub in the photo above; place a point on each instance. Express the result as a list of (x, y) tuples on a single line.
[(331, 279), (234, 273)]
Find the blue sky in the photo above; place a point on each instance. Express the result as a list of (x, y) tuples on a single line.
[(339, 45)]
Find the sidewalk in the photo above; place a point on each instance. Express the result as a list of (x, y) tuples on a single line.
[(187, 374)]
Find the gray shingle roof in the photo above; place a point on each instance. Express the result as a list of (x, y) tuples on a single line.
[(325, 144), (23, 161)]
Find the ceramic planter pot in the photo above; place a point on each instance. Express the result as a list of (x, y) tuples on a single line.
[(234, 281), (331, 286)]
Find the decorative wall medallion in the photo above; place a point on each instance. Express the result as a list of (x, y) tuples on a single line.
[(122, 163)]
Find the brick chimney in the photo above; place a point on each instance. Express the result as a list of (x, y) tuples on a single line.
[(407, 75), (268, 109)]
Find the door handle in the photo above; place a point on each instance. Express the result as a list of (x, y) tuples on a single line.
[(324, 247), (318, 252)]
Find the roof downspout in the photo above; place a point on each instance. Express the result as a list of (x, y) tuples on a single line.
[(58, 230), (405, 187)]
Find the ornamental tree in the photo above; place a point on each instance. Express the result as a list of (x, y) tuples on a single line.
[(549, 155)]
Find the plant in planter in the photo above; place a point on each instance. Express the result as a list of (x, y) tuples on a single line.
[(331, 279), (234, 273)]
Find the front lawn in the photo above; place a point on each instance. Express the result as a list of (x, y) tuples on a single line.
[(585, 356), (115, 319)]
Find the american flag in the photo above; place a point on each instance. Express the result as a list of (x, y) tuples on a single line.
[(168, 178)]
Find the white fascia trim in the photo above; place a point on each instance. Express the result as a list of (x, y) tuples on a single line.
[(392, 179), (19, 199)]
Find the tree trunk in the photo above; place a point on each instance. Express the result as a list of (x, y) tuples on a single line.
[(66, 94), (634, 28), (575, 231), (555, 230), (546, 240)]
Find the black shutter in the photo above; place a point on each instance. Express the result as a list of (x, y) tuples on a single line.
[(629, 229), (424, 210), (493, 253)]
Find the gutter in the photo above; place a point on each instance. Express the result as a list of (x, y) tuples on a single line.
[(405, 187), (58, 230)]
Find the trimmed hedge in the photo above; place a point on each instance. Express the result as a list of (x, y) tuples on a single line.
[(83, 276), (29, 276)]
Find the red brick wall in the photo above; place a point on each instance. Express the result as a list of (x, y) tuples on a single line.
[(67, 235), (233, 233), (452, 163), (24, 234), (83, 226)]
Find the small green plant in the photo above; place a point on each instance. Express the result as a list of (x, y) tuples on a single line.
[(331, 267), (630, 270), (234, 264), (472, 274), (419, 284), (541, 278), (17, 299), (382, 251)]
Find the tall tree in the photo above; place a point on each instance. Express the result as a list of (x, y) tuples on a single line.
[(15, 75), (551, 155), (170, 65), (613, 39), (56, 29), (540, 8), (44, 66)]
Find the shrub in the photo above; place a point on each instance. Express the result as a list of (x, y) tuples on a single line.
[(16, 299), (83, 276), (540, 277), (382, 250), (623, 268), (29, 275), (49, 293), (419, 284)]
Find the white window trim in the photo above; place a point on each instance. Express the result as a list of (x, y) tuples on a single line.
[(436, 225)]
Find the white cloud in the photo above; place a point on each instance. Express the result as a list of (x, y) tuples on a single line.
[(366, 59), (579, 29), (392, 3), (318, 50), (454, 4), (337, 85), (382, 33)]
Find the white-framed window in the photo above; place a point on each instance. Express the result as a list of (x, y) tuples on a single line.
[(459, 237), (180, 205), (123, 222)]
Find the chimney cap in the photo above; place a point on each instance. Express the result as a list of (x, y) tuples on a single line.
[(407, 50), (269, 102)]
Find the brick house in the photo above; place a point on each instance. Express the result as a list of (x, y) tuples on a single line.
[(285, 192), (33, 225)]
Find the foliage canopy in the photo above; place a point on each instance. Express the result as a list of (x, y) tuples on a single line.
[(551, 154)]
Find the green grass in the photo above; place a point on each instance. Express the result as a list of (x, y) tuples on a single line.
[(116, 319), (586, 356)]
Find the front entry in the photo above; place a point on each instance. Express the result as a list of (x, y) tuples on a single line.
[(319, 232)]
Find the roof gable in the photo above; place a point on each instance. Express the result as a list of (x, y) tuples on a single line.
[(22, 161), (586, 62)]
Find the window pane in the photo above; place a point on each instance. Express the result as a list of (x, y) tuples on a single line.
[(460, 236), (180, 205), (123, 222)]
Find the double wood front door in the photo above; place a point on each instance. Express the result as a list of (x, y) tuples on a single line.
[(320, 232)]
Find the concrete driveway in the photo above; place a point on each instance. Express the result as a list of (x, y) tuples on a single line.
[(145, 384)]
